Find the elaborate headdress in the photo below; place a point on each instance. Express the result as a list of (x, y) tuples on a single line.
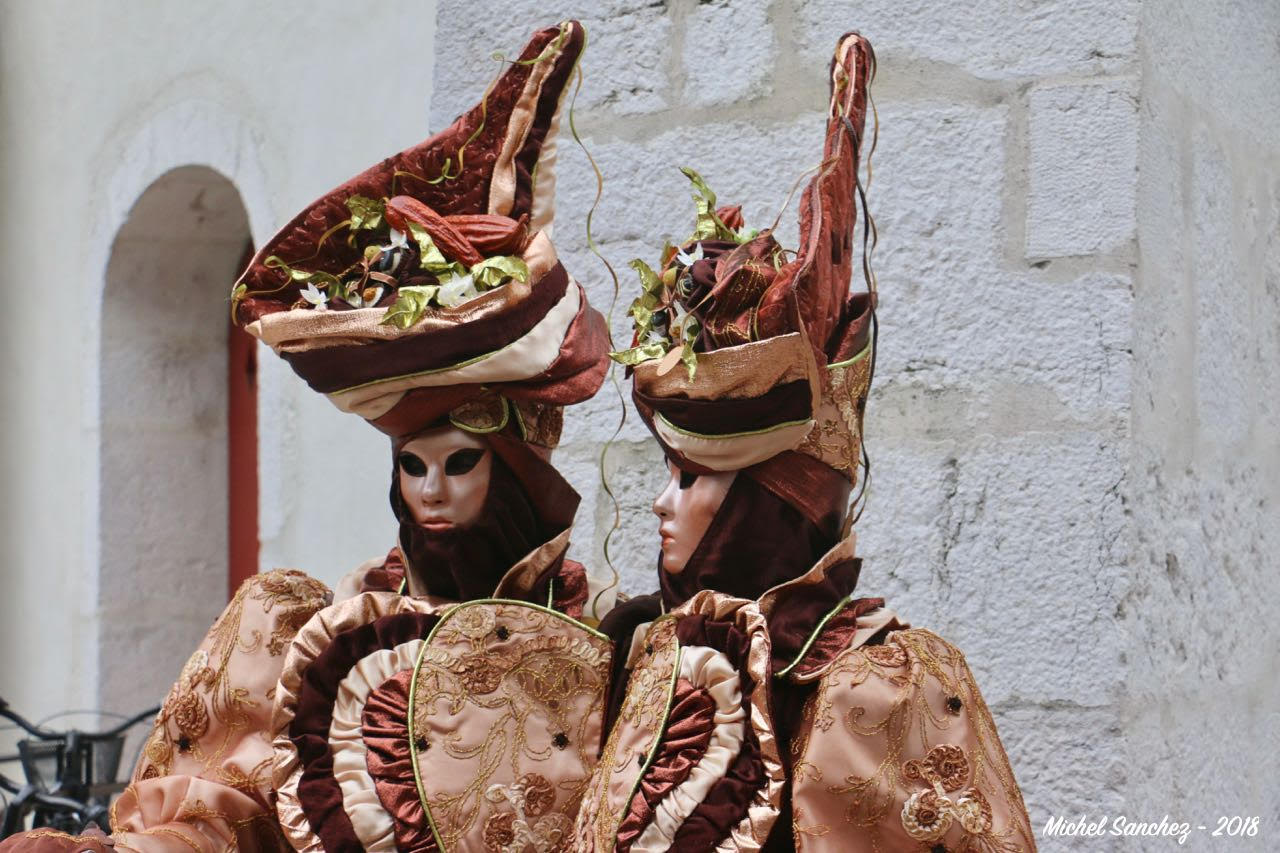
[(744, 360), (427, 287)]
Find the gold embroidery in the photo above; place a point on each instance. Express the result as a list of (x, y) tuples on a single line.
[(946, 786), (531, 682), (184, 730), (639, 725), (836, 437)]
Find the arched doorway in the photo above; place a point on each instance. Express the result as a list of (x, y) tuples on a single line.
[(166, 469)]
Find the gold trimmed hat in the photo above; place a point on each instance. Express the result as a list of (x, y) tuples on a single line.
[(427, 287), (743, 359)]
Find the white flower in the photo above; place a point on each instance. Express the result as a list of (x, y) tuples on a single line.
[(399, 240), (457, 290), (679, 320), (317, 297), (687, 258)]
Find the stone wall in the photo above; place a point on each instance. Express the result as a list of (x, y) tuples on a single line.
[(1201, 712), (1017, 504)]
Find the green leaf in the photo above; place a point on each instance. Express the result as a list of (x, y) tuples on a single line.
[(411, 303), (709, 226), (688, 357), (366, 213), (494, 271), (327, 281), (429, 256), (637, 355), (650, 283)]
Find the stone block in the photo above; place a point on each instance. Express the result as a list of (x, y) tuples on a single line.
[(625, 63), (1024, 564), (1082, 170), (1224, 345), (1023, 353), (729, 51), (990, 39)]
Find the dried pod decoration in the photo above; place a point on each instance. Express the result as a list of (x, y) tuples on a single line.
[(413, 259)]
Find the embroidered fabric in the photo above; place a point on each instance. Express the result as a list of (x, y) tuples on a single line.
[(898, 749)]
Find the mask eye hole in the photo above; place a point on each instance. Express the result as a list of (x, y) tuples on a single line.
[(411, 465), (687, 479), (462, 461)]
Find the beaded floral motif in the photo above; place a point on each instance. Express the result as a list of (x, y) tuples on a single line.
[(928, 815), (527, 685)]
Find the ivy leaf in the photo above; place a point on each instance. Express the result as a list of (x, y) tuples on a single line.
[(688, 357), (709, 225), (327, 281), (637, 355), (651, 292), (411, 303), (366, 213), (494, 271)]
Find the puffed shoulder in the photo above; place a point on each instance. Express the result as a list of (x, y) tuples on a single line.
[(381, 574), (897, 748), (692, 761), (339, 658)]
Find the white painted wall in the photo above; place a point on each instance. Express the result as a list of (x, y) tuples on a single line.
[(97, 101)]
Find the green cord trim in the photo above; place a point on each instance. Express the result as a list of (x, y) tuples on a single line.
[(413, 741), (804, 650), (506, 418), (662, 726), (417, 666), (404, 585), (857, 358), (524, 431), (746, 434)]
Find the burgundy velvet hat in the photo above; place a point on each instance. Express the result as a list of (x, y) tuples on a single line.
[(427, 287), (746, 359)]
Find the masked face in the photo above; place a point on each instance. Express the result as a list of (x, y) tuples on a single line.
[(444, 478), (686, 507)]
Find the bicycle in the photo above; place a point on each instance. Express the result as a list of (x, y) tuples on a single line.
[(70, 775)]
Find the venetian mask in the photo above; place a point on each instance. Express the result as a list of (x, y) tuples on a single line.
[(686, 507), (444, 478)]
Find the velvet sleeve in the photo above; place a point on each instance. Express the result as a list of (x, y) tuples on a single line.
[(896, 750)]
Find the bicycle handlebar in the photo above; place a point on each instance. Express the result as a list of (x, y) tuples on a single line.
[(44, 734)]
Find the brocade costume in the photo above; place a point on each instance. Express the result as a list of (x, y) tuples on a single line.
[(767, 706), (452, 697)]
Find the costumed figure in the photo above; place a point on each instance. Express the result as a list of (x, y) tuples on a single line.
[(452, 697), (767, 705)]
